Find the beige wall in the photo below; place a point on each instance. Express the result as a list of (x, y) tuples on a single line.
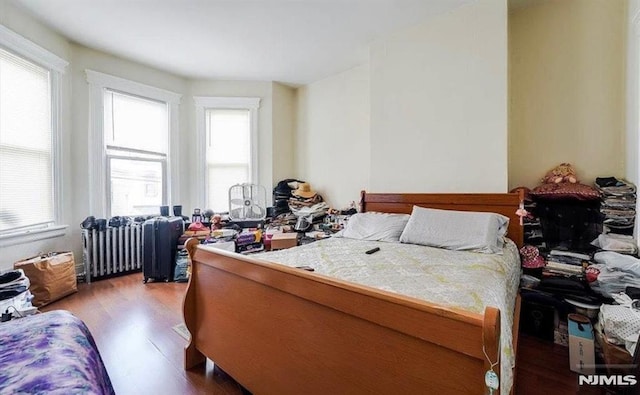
[(436, 119), (284, 129), (633, 91), (439, 104), (332, 141), (567, 63)]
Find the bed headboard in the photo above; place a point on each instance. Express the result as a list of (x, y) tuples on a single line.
[(501, 203)]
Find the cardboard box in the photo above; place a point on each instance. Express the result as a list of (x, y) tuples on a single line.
[(581, 344), (280, 241), (615, 357), (52, 276)]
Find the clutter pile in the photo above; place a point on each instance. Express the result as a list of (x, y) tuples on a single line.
[(281, 195), (15, 298), (307, 205), (620, 323), (618, 210), (618, 204)]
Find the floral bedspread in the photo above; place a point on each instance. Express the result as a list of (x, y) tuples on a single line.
[(50, 353), (461, 279)]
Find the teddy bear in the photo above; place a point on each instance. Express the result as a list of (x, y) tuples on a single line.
[(564, 172)]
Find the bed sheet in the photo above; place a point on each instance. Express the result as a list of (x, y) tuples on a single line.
[(50, 353), (459, 279)]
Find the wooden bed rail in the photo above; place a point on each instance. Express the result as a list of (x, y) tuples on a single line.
[(281, 330), (501, 203), (383, 327)]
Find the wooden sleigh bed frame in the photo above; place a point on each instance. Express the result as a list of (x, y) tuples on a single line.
[(281, 330)]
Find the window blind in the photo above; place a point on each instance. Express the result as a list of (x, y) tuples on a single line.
[(26, 159), (228, 153), (136, 134)]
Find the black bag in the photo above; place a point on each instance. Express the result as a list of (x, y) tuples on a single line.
[(281, 195), (159, 245)]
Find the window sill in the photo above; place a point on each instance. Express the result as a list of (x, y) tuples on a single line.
[(28, 236)]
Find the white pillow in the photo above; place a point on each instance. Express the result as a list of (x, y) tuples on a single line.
[(375, 226), (456, 230)]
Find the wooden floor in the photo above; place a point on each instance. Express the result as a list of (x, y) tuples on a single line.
[(132, 324)]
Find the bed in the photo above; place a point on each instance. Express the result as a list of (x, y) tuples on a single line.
[(50, 353), (279, 329)]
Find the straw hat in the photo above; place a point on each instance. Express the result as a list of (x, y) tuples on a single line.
[(304, 190)]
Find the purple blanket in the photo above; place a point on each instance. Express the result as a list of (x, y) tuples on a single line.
[(50, 353)]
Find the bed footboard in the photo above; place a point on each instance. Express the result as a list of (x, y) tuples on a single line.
[(282, 330)]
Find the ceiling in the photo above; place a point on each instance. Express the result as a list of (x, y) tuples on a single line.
[(291, 41)]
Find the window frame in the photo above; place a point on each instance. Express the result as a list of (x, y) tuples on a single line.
[(31, 52), (99, 197), (204, 103)]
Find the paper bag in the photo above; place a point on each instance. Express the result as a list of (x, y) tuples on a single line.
[(52, 276)]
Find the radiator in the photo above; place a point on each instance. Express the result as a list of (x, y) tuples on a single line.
[(111, 251)]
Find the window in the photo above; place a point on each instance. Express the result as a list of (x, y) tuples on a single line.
[(29, 160), (134, 144), (227, 133)]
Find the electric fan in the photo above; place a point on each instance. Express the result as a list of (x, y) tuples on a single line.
[(247, 202)]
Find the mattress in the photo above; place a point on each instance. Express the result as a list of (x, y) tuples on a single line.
[(50, 353), (458, 279)]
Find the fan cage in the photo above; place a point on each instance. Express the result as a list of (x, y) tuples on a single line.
[(247, 202)]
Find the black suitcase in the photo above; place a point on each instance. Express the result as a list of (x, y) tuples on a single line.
[(159, 243)]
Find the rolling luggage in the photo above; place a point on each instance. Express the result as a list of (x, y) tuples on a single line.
[(159, 244)]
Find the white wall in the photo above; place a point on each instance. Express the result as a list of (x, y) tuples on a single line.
[(439, 104), (332, 146), (26, 26)]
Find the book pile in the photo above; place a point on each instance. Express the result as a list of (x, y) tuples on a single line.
[(249, 241), (566, 263)]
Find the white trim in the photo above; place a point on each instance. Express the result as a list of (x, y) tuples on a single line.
[(120, 84), (28, 236), (56, 148), (201, 157), (173, 161), (249, 103), (215, 102), (30, 50), (97, 155), (98, 83), (636, 23)]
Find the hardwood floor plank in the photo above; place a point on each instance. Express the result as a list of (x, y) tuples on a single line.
[(133, 322)]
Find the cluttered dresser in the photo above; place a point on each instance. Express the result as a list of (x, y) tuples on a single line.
[(581, 272)]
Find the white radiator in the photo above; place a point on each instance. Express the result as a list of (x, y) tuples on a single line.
[(111, 251)]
